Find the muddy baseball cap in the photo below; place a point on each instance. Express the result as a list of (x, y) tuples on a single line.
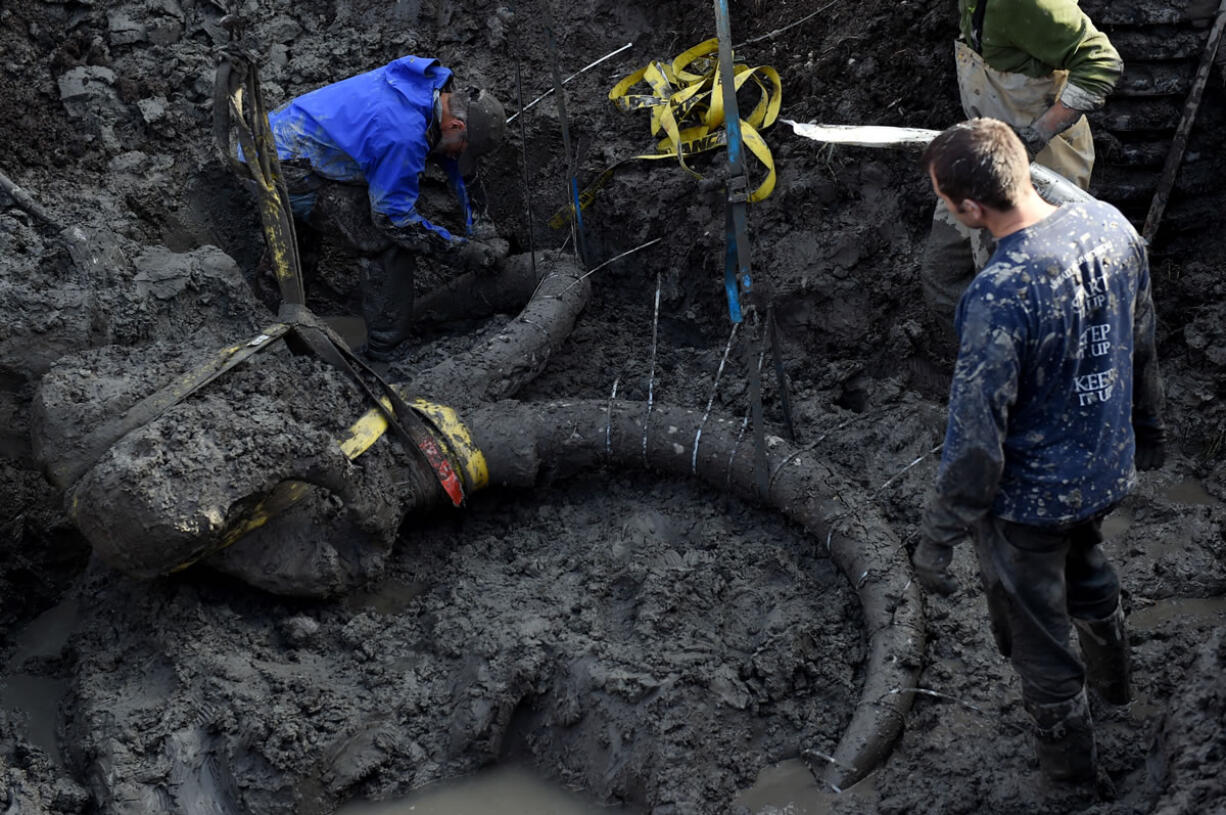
[(487, 122)]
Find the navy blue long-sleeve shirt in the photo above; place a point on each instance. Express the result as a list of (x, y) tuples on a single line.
[(1056, 362)]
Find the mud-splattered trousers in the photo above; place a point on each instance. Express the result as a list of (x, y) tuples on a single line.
[(1056, 366), (1027, 55), (1035, 579)]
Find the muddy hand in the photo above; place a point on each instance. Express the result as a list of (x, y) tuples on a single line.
[(501, 247), (1032, 140), (479, 255), (931, 561)]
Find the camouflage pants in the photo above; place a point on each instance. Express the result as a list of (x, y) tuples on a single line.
[(1036, 580)]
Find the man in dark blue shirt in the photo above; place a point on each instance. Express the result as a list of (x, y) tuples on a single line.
[(353, 153), (1056, 402)]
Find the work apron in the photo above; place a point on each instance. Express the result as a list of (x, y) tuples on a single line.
[(954, 253), (1017, 100)]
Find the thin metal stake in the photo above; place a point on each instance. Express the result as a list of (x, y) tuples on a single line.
[(938, 695), (523, 147), (710, 402), (596, 269), (608, 431), (813, 445), (584, 69), (898, 474), (572, 179), (651, 378), (779, 31), (744, 426)]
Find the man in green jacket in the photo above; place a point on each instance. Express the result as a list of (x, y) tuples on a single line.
[(1039, 66)]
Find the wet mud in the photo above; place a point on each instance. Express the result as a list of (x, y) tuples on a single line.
[(642, 638)]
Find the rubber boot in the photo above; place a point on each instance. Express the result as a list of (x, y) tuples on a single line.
[(1104, 647), (953, 255), (1064, 739), (387, 300)]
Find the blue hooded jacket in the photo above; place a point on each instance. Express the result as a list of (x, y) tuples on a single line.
[(371, 129)]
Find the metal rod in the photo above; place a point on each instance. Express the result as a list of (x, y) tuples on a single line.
[(710, 402), (899, 474), (744, 425), (572, 180), (596, 269), (779, 31), (534, 102), (523, 145), (608, 431), (651, 377)]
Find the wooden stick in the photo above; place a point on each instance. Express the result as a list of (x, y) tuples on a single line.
[(24, 200), (1173, 159)]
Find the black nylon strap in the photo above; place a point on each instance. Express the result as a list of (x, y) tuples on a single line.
[(64, 474), (401, 418)]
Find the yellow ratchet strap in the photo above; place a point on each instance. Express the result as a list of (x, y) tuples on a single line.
[(687, 114)]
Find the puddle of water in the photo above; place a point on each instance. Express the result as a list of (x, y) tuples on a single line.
[(389, 597), (1188, 610), (1190, 491), (37, 700), (46, 634), (507, 790), (789, 788), (1117, 523), (786, 788)]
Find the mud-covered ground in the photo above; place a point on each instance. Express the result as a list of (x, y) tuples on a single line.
[(645, 640)]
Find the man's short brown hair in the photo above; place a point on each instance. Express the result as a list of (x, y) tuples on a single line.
[(979, 159)]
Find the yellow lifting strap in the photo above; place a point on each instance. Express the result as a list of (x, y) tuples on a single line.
[(687, 114), (444, 421)]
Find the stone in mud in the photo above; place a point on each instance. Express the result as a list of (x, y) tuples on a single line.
[(88, 93), (124, 29), (152, 109)]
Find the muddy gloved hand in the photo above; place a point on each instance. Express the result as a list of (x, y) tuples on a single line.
[(484, 229), (931, 561), (501, 246), (1033, 139), (1151, 447), (479, 255)]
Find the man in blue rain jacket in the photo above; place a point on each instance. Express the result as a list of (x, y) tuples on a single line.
[(353, 153)]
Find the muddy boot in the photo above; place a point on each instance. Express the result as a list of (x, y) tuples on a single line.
[(1104, 647), (387, 300), (1064, 739), (310, 247)]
